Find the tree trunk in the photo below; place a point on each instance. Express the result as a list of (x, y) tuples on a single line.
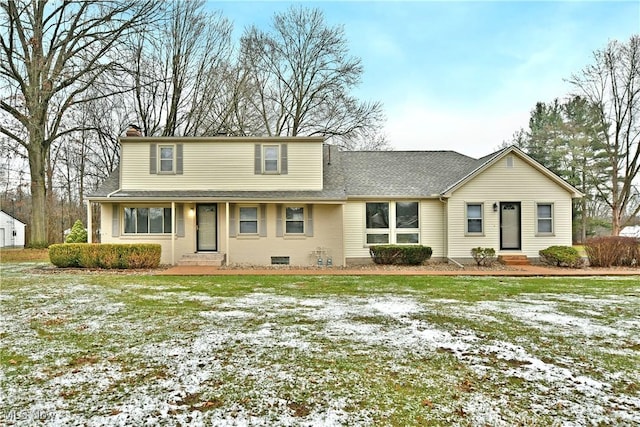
[(37, 167)]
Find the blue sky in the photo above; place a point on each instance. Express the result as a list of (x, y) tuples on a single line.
[(462, 76)]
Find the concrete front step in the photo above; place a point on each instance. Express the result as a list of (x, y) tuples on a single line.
[(514, 260), (205, 259)]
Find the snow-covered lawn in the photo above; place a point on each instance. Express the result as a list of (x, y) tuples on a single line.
[(116, 350)]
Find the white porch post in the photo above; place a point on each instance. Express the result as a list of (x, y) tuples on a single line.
[(89, 225), (226, 233), (173, 233)]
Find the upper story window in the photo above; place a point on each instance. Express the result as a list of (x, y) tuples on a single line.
[(165, 159), (271, 159), (271, 154), (294, 220), (147, 220), (544, 218), (475, 222)]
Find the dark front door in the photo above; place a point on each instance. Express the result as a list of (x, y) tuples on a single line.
[(207, 226), (510, 237)]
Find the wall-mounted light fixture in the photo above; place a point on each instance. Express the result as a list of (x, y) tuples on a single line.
[(495, 207), (191, 212)]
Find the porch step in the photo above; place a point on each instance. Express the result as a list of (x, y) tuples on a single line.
[(203, 259), (514, 260)]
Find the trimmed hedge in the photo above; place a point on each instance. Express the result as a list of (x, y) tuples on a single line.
[(561, 256), (87, 255), (609, 251), (400, 254)]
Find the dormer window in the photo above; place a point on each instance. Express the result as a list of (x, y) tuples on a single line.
[(165, 159), (271, 159)]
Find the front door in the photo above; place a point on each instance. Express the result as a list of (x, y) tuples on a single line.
[(510, 225), (207, 226)]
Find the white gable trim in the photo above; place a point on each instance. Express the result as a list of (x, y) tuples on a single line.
[(575, 193)]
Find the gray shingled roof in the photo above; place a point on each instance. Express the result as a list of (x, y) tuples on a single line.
[(348, 174), (403, 173)]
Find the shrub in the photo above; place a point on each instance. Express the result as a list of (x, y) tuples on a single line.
[(609, 251), (78, 233), (400, 254), (484, 256), (67, 255), (38, 245), (561, 256), (87, 255)]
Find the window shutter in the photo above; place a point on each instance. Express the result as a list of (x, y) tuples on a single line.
[(257, 165), (153, 158), (263, 220), (308, 227), (279, 231), (115, 221), (180, 220), (179, 159), (284, 162), (232, 220)]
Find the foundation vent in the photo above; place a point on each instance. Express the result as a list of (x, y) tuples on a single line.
[(279, 260)]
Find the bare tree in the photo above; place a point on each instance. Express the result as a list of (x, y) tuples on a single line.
[(51, 53), (178, 69), (301, 77), (612, 83)]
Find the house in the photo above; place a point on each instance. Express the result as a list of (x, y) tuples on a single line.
[(12, 231), (299, 201)]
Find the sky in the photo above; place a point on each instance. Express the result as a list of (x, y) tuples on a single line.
[(462, 75)]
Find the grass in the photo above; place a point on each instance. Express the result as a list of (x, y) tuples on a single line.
[(113, 349), (24, 255)]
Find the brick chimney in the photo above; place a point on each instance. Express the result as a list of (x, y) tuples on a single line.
[(134, 130)]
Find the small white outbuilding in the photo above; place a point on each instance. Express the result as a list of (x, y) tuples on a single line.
[(631, 231), (11, 231)]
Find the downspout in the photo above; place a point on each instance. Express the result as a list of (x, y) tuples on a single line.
[(89, 224), (445, 234), (173, 233), (89, 213), (226, 235)]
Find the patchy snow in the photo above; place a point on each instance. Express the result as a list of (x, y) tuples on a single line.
[(262, 359)]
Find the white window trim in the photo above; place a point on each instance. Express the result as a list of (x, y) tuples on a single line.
[(304, 221), (173, 159), (123, 233), (264, 159), (392, 231), (398, 230), (466, 219), (553, 228), (257, 233)]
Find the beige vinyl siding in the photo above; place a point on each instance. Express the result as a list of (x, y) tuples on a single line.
[(499, 183), (224, 166), (327, 234), (354, 231), (431, 228)]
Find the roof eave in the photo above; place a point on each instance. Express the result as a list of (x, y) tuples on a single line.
[(575, 193)]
